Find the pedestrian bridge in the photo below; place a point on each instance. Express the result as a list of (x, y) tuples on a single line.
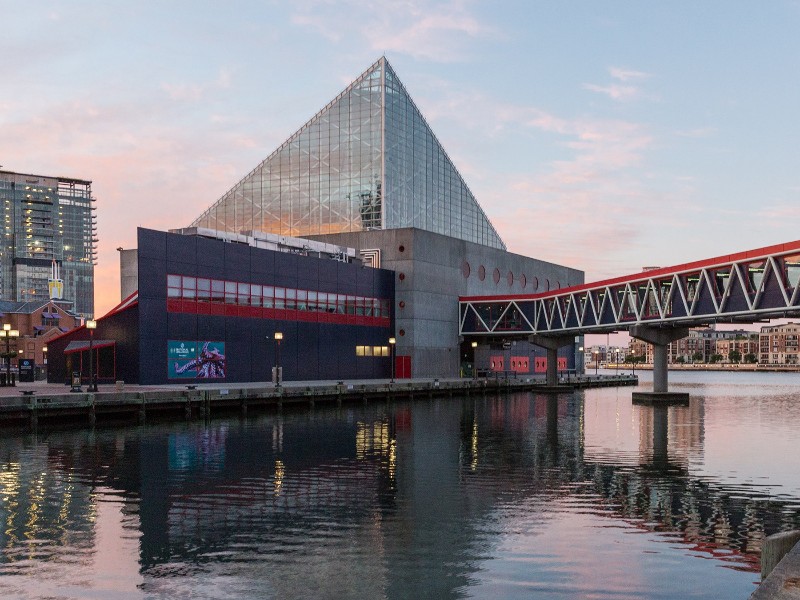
[(657, 306)]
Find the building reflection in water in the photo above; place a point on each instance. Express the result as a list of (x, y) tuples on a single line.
[(400, 497)]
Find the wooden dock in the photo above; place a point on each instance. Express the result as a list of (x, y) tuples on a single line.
[(29, 405)]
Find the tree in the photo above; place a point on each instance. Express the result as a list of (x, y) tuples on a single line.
[(715, 358), (735, 356), (750, 358), (680, 360), (697, 357)]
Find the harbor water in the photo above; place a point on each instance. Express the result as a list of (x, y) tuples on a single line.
[(527, 495)]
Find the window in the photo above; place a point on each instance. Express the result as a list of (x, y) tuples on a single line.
[(230, 292), (204, 290), (268, 296)]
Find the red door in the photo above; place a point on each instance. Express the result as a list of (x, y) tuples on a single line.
[(402, 367)]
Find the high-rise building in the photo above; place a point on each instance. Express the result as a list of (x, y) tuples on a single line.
[(367, 161), (49, 240)]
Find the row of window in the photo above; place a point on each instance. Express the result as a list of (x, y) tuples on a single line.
[(219, 291), (372, 350)]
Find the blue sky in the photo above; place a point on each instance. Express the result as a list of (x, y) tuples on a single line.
[(603, 135)]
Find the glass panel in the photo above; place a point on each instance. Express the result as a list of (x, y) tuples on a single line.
[(268, 294), (174, 281), (217, 290)]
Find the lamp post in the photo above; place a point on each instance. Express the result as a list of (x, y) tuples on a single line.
[(91, 325), (474, 360), (596, 357), (8, 333), (392, 342), (278, 339)]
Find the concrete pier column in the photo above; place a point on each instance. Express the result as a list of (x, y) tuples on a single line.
[(660, 370), (552, 343), (660, 338)]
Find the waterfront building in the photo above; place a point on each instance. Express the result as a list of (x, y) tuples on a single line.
[(702, 344), (367, 172), (209, 308), (779, 344), (35, 323), (48, 224), (746, 343), (391, 237)]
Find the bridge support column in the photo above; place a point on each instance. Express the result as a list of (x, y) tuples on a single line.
[(552, 344), (660, 338)]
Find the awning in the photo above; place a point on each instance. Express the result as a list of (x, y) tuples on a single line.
[(83, 345), (53, 315), (39, 327)]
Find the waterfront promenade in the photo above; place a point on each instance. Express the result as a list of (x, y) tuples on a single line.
[(32, 403)]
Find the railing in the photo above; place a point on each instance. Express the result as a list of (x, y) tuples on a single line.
[(744, 287)]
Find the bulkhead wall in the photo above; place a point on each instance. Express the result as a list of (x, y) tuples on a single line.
[(431, 271)]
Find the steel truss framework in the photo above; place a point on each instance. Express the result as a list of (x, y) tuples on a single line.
[(745, 287)]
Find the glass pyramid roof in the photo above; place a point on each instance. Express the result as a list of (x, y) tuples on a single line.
[(368, 160)]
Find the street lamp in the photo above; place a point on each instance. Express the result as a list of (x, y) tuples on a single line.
[(474, 360), (8, 333), (392, 342), (596, 356), (278, 339), (91, 325)]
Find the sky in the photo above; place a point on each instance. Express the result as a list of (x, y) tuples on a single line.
[(606, 136)]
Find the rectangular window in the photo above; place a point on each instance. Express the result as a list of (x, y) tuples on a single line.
[(243, 295), (359, 350), (268, 296), (204, 290), (217, 291), (255, 295), (230, 292), (280, 297), (291, 299)]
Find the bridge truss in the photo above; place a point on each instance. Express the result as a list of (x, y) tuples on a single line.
[(744, 287)]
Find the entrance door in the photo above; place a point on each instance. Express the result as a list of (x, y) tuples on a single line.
[(402, 367)]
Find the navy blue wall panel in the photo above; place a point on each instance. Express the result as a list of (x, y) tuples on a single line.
[(151, 244), (210, 256), (309, 350), (182, 251)]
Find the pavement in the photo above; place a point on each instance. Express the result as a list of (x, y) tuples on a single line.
[(43, 388)]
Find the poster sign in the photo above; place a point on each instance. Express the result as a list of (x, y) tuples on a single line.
[(195, 359)]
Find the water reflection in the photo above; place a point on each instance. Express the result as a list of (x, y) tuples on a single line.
[(509, 497)]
